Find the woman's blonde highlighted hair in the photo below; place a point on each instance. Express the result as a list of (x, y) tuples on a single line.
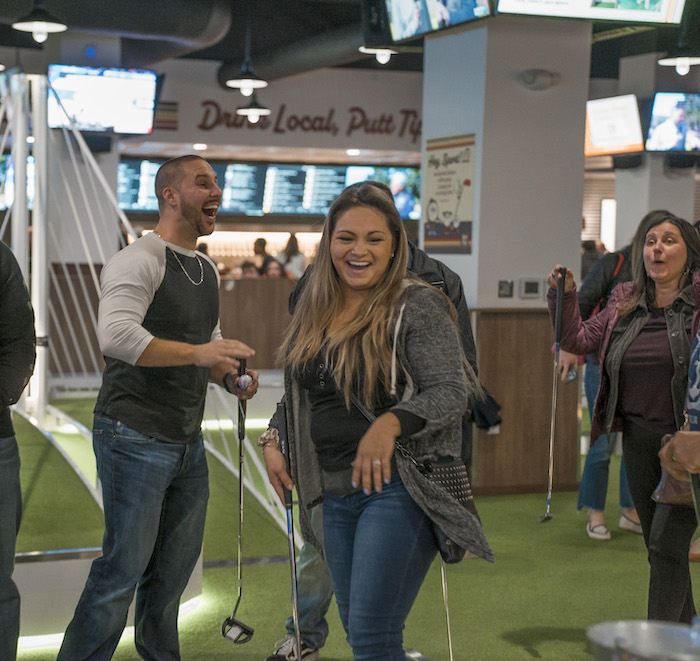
[(359, 353)]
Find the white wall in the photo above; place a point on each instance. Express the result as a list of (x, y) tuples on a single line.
[(530, 163), (328, 108)]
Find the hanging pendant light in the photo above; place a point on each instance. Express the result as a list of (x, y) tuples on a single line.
[(253, 111), (687, 53), (247, 82), (40, 23)]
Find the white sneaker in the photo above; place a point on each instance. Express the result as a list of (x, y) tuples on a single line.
[(286, 650), (599, 532)]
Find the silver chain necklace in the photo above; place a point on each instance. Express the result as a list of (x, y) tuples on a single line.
[(182, 266)]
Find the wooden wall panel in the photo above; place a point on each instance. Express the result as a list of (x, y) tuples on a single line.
[(516, 365), (256, 312)]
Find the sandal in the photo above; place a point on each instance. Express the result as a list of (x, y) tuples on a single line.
[(599, 532)]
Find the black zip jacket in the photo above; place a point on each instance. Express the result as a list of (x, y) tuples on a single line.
[(17, 338)]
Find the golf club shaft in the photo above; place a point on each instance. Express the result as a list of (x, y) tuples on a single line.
[(284, 448), (293, 570), (443, 573), (241, 459), (558, 314)]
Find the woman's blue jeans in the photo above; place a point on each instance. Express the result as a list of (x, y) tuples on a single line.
[(155, 499), (379, 549), (594, 481), (10, 517)]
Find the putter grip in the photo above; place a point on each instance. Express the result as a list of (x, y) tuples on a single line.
[(284, 448), (241, 366), (559, 310)]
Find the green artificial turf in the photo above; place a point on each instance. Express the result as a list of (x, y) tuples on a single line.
[(548, 584)]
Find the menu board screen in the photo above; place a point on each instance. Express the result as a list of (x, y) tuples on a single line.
[(256, 189)]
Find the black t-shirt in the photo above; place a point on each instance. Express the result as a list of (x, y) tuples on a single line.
[(336, 430)]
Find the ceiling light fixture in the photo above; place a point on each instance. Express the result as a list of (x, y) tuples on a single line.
[(383, 55), (253, 111), (247, 82), (687, 53), (40, 23)]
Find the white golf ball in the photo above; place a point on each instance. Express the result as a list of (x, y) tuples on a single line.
[(244, 381)]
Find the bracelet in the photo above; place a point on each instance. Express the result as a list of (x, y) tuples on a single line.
[(225, 381), (269, 437)]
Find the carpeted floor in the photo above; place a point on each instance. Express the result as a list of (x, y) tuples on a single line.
[(548, 584)]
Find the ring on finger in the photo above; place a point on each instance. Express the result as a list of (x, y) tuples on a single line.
[(377, 462)]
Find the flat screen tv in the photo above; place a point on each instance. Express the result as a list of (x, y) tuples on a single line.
[(7, 181), (675, 123), (257, 189), (411, 18), (613, 126), (102, 100), (651, 11)]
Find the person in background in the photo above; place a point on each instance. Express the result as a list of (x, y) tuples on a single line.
[(203, 248), (362, 331), (315, 587), (589, 256), (274, 270), (612, 269), (17, 355), (158, 327), (249, 270), (405, 202), (261, 256), (643, 338), (292, 259)]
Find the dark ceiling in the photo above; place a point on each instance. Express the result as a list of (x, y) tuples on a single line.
[(287, 36)]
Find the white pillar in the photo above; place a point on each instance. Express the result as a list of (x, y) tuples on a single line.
[(40, 264), (528, 156), (20, 209)]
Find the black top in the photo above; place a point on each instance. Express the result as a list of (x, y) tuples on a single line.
[(166, 403), (16, 337), (336, 430)]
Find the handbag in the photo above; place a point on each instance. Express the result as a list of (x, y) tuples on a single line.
[(448, 473), (671, 490)]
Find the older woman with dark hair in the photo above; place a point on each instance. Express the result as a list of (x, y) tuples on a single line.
[(643, 338), (372, 355)]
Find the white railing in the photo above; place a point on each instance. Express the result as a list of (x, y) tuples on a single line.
[(66, 289)]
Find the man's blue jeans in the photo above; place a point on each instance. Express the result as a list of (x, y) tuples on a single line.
[(379, 548), (314, 589), (10, 517), (155, 498), (594, 481)]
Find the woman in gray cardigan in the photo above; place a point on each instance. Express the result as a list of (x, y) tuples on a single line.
[(366, 338)]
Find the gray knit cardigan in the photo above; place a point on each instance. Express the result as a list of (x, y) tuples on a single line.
[(431, 384)]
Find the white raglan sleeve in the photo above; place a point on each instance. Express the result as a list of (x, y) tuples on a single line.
[(129, 282)]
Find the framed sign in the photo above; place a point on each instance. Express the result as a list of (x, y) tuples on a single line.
[(449, 194)]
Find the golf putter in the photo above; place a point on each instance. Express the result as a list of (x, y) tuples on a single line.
[(284, 448), (557, 339), (233, 629)]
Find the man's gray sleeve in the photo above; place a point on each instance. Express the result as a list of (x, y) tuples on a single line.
[(129, 282)]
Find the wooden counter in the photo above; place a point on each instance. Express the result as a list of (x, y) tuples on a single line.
[(256, 312)]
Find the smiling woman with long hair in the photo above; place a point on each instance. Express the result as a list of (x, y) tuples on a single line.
[(372, 355)]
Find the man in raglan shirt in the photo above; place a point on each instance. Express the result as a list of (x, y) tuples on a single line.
[(158, 327)]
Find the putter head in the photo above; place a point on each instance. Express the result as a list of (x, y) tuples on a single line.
[(235, 631), (544, 518)]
